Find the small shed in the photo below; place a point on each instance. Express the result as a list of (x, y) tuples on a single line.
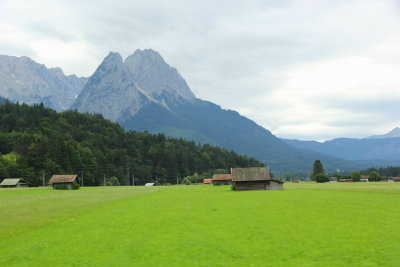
[(333, 179), (396, 179), (149, 184), (67, 180), (207, 181), (14, 182), (364, 180), (254, 178), (222, 179)]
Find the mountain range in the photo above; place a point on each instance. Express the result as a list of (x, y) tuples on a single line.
[(24, 80), (377, 147), (144, 93)]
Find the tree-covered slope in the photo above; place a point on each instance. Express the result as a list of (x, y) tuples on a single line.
[(33, 139), (206, 122)]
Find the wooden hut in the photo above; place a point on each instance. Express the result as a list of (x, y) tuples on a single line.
[(396, 179), (207, 181), (14, 182), (67, 180), (254, 178), (222, 179)]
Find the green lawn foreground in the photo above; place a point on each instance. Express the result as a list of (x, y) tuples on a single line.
[(306, 224)]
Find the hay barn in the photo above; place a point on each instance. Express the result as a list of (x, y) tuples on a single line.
[(254, 178), (67, 180), (222, 179), (14, 182), (207, 181)]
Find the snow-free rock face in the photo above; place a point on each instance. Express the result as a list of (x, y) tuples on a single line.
[(118, 90), (24, 80), (111, 91), (156, 77)]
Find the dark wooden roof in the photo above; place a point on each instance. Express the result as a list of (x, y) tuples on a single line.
[(250, 174), (56, 179), (222, 177)]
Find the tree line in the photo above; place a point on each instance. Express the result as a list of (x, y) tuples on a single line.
[(373, 174), (36, 141)]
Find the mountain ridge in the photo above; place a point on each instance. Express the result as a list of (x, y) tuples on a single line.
[(24, 80), (395, 132)]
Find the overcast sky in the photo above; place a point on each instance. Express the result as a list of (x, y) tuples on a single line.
[(304, 69)]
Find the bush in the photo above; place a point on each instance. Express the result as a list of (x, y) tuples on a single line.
[(76, 186), (321, 178), (233, 186), (61, 187), (187, 182), (113, 181), (216, 183)]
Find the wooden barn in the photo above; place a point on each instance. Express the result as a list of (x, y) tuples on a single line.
[(67, 180), (207, 181), (396, 179), (14, 182), (254, 178), (222, 179)]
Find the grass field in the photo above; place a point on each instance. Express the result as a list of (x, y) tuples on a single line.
[(306, 224)]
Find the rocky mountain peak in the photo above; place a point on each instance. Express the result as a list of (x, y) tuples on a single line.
[(111, 90), (24, 80), (157, 78)]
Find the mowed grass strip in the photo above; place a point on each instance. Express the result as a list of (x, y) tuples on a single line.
[(303, 225)]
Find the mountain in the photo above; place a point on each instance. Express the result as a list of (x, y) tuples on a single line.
[(355, 149), (145, 94), (393, 133), (24, 80)]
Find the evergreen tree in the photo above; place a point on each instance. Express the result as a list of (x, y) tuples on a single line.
[(317, 169)]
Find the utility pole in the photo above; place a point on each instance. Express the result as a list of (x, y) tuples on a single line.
[(82, 179), (177, 180), (44, 182), (104, 180), (127, 173), (156, 180)]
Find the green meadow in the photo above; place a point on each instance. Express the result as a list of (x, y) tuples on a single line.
[(306, 224)]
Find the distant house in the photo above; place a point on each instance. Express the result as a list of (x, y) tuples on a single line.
[(364, 180), (333, 179), (222, 179), (14, 182), (254, 178), (67, 180), (346, 180), (296, 181), (207, 181), (149, 184), (396, 179)]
